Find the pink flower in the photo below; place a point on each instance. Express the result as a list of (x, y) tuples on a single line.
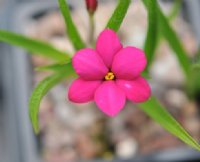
[(109, 75)]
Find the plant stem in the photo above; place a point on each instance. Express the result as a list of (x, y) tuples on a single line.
[(92, 29)]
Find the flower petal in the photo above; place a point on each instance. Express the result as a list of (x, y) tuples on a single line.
[(108, 44), (128, 63), (89, 65), (110, 98), (137, 90), (82, 91)]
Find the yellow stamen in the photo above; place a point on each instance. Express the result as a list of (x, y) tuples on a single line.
[(109, 76)]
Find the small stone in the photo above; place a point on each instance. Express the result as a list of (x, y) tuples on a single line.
[(126, 148)]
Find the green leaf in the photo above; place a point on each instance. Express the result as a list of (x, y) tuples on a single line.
[(70, 26), (41, 90), (146, 75), (193, 84), (196, 67), (65, 68), (118, 15), (152, 32), (154, 35), (172, 15), (54, 67), (153, 108), (175, 9), (173, 40), (32, 45)]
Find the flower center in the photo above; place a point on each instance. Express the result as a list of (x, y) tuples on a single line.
[(109, 76)]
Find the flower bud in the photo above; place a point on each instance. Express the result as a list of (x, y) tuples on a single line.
[(91, 5)]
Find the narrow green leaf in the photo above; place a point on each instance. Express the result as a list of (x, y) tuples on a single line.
[(118, 15), (41, 90), (32, 45), (173, 13), (65, 68), (152, 32), (173, 40), (153, 108), (54, 67), (196, 66), (70, 26), (175, 9), (146, 75), (193, 84), (38, 93)]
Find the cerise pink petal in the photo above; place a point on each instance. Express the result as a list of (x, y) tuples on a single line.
[(82, 91), (110, 98), (108, 44), (137, 90), (128, 63), (89, 65)]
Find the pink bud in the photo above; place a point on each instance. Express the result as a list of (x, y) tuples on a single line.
[(91, 5)]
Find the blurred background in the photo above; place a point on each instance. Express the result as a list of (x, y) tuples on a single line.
[(71, 132)]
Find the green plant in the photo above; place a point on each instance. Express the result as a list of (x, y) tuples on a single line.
[(158, 26)]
